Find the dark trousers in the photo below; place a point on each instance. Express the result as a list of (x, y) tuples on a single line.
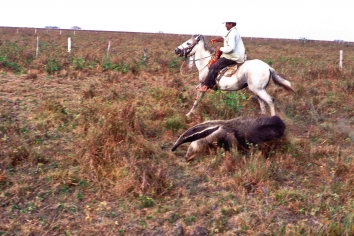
[(220, 64)]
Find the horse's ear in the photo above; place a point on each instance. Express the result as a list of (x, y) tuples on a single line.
[(197, 37)]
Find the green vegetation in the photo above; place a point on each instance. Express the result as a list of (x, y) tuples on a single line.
[(5, 63)]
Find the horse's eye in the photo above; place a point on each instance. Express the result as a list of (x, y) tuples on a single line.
[(188, 43)]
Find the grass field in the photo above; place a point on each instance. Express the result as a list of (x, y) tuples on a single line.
[(85, 140)]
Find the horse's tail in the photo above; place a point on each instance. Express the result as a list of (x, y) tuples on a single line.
[(278, 80)]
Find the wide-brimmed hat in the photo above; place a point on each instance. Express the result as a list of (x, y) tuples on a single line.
[(232, 21)]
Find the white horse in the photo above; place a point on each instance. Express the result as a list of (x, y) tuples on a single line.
[(255, 74)]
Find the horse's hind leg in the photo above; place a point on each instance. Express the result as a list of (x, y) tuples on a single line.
[(262, 104), (263, 96)]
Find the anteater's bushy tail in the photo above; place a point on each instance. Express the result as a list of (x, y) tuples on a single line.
[(269, 129)]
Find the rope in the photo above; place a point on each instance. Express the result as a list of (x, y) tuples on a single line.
[(180, 70)]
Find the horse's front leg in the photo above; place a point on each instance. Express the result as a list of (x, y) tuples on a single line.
[(195, 104)]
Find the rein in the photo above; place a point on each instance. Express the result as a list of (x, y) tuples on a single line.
[(200, 58), (195, 71)]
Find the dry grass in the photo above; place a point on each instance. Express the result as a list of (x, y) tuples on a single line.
[(85, 141)]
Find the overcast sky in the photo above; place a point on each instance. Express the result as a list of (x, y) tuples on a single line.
[(312, 19)]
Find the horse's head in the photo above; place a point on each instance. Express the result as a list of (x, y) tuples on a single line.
[(186, 48)]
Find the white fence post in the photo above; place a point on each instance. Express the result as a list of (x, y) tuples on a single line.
[(37, 48), (69, 45), (145, 54), (340, 59), (109, 47)]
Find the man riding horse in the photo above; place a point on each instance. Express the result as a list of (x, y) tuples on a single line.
[(233, 52)]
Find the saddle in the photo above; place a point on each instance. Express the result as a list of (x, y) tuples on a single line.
[(228, 71)]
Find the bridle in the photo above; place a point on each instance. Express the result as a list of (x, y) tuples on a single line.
[(187, 50), (190, 47)]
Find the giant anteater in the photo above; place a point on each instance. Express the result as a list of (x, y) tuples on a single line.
[(240, 131)]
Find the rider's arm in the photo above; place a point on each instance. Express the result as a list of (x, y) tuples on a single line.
[(220, 40)]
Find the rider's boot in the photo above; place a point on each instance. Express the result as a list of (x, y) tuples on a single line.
[(204, 88)]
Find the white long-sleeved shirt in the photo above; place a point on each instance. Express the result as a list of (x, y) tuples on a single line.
[(233, 48)]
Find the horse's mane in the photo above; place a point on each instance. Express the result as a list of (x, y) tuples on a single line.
[(206, 47)]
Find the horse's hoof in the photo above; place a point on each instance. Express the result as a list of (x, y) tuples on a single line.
[(188, 159), (262, 114)]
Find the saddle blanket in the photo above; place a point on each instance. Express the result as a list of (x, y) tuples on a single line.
[(228, 71)]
